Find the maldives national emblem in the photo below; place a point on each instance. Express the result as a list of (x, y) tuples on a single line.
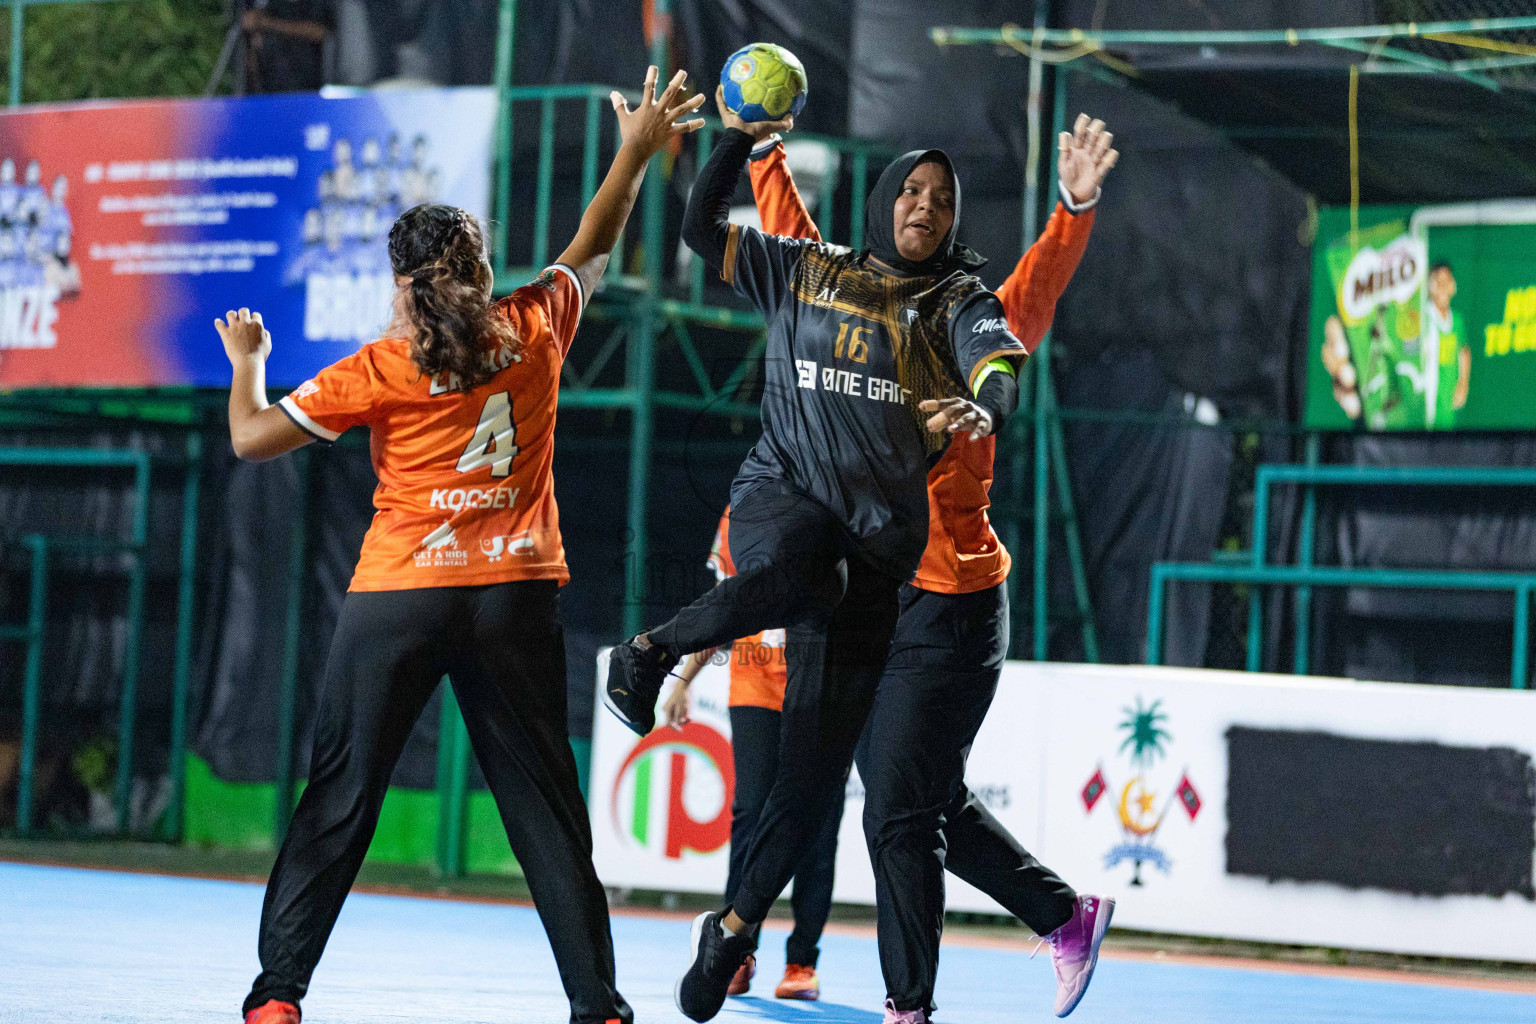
[(1142, 808)]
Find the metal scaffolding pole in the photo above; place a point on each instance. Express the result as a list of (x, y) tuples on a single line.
[(506, 34), (642, 359), (946, 35), (1073, 43), (181, 672), (32, 685), (1018, 429), (129, 693), (1044, 402)]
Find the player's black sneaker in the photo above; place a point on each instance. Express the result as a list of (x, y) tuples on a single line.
[(635, 675), (717, 954)]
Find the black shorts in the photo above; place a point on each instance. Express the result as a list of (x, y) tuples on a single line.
[(958, 632)]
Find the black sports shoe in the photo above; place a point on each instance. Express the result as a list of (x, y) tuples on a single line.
[(635, 675), (701, 990)]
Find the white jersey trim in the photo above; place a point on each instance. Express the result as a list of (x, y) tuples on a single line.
[(575, 279), (302, 420), (1073, 206)]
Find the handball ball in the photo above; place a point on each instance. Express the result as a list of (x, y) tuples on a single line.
[(763, 82)]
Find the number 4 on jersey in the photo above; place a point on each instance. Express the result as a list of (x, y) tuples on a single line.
[(492, 446)]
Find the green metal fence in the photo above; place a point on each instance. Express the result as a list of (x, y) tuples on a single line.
[(43, 548), (551, 101), (1304, 575), (1519, 584), (31, 634), (1312, 476)]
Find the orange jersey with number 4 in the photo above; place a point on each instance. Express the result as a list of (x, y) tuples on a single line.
[(466, 489)]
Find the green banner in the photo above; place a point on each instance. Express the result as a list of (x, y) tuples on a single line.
[(1424, 318)]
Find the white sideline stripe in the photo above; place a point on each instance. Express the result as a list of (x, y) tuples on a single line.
[(292, 409)]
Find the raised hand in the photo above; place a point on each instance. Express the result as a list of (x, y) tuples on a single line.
[(653, 123), (759, 130), (244, 336), (1085, 158), (954, 415)]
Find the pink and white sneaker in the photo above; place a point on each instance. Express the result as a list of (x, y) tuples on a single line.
[(895, 1016), (1075, 949)]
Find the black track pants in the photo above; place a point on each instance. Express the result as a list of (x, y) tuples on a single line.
[(797, 569), (919, 817), (503, 648), (755, 745)]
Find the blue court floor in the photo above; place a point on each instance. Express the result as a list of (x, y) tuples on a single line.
[(92, 946)]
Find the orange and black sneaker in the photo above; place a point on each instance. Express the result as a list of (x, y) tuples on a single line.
[(800, 982), (273, 1011), (741, 982)]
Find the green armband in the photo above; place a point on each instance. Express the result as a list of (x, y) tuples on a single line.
[(994, 365)]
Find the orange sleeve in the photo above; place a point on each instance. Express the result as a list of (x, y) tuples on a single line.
[(1030, 293), (558, 296), (338, 397), (778, 200), (720, 550)]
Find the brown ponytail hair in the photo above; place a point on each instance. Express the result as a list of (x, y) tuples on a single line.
[(448, 302)]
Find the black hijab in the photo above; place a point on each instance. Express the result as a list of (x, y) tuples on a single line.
[(880, 219)]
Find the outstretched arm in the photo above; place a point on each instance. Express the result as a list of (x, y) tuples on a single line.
[(1030, 294), (644, 132), (706, 223)]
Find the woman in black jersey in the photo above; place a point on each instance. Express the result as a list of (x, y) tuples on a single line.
[(874, 358)]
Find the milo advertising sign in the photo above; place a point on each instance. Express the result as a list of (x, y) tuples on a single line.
[(1371, 345), (1424, 318)]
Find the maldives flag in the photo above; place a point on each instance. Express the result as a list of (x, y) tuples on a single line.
[(1094, 789), (1188, 797)]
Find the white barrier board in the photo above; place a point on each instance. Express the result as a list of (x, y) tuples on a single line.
[(1093, 711), (1117, 778)]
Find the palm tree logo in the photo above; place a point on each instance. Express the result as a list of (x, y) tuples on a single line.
[(1146, 741), (1139, 817), (1147, 735)]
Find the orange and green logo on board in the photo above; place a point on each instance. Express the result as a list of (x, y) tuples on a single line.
[(673, 792)]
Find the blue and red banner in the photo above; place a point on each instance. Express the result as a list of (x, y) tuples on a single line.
[(127, 227)]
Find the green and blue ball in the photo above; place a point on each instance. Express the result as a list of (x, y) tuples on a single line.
[(763, 82)]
